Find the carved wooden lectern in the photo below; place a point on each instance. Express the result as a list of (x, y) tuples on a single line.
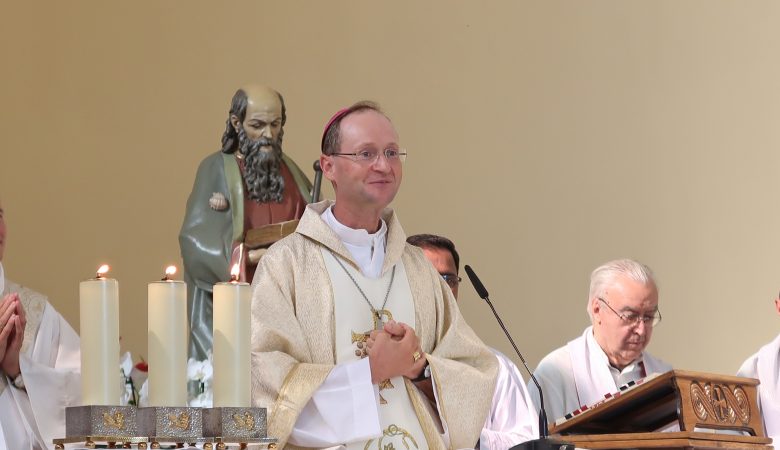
[(702, 405)]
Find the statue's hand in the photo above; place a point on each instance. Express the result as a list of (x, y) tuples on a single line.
[(254, 255)]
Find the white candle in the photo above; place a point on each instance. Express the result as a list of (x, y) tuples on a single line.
[(99, 318), (231, 343), (167, 342)]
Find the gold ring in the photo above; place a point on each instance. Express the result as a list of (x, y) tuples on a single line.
[(416, 355)]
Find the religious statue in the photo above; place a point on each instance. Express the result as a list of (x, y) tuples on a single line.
[(245, 197)]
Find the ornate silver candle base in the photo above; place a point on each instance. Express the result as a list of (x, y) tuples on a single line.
[(98, 423), (124, 426), (236, 425), (98, 420), (178, 424), (232, 422)]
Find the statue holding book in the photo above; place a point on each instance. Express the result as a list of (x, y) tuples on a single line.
[(245, 197)]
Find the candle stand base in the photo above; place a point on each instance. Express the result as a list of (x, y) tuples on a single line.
[(236, 425), (142, 428), (100, 420), (174, 424), (114, 426)]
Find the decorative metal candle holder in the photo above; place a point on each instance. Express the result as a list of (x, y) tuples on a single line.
[(98, 423), (177, 424), (236, 425)]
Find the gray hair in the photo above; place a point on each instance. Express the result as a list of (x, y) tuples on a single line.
[(606, 274)]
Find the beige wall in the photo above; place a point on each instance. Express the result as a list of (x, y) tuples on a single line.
[(544, 138)]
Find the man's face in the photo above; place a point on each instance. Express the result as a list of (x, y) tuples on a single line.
[(260, 144), (623, 343), (443, 263), (2, 232), (263, 116), (370, 185)]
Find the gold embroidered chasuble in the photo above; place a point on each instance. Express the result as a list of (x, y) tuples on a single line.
[(293, 333)]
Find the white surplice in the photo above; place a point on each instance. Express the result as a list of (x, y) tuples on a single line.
[(580, 374), (513, 418), (50, 365), (765, 365)]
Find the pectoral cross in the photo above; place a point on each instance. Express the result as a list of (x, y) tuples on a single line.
[(360, 340)]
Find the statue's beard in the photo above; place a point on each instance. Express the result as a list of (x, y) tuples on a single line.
[(262, 170)]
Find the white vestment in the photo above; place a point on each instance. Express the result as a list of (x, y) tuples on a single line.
[(349, 378), (513, 418), (580, 374), (50, 363), (765, 365), (315, 395)]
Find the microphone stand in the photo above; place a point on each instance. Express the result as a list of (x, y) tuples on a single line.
[(544, 442)]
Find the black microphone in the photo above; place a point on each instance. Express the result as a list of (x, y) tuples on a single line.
[(544, 442), (315, 189)]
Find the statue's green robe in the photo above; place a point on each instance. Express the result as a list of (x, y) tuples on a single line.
[(207, 236)]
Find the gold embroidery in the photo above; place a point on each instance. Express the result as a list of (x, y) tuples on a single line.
[(393, 431), (361, 338), (362, 351), (385, 384)]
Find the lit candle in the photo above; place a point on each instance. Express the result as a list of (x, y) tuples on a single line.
[(231, 342), (99, 318), (167, 341)]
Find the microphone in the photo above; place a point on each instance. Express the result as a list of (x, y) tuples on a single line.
[(544, 442), (315, 189)]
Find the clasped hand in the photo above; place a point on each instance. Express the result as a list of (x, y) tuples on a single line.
[(391, 352), (12, 323)]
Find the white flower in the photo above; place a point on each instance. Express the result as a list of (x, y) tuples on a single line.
[(126, 364), (201, 371), (126, 389)]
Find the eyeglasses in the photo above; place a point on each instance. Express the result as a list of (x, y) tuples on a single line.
[(452, 280), (369, 156), (632, 319)]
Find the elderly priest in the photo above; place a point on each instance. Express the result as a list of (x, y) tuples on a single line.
[(356, 340), (623, 309)]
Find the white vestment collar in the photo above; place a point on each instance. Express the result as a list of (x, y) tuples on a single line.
[(368, 250), (633, 371), (2, 278), (594, 377)]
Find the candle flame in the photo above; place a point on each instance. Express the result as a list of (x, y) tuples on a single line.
[(102, 270), (234, 272), (169, 271)]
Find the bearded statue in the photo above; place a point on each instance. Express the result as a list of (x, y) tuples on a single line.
[(245, 197)]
